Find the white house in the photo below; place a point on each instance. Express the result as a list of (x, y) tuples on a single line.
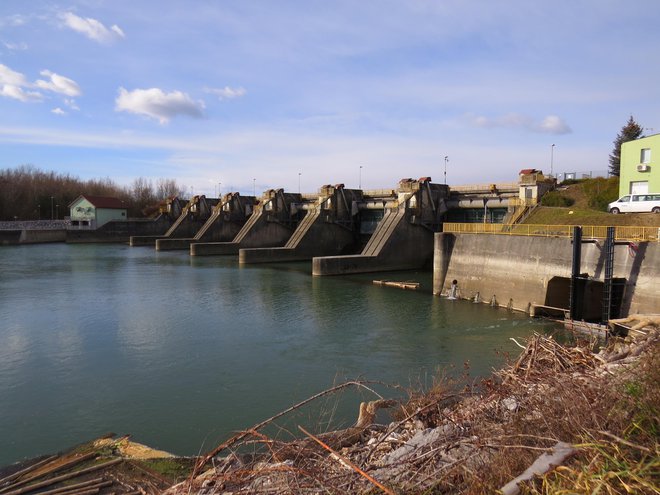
[(93, 211)]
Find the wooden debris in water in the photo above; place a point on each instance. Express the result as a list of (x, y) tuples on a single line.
[(400, 285)]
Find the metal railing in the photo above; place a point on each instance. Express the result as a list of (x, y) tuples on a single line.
[(621, 233), (485, 187)]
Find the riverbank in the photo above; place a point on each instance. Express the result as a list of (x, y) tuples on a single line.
[(597, 411)]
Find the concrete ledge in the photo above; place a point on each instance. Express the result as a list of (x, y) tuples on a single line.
[(143, 240), (214, 248), (173, 244), (270, 255), (340, 265), (8, 237), (42, 236)]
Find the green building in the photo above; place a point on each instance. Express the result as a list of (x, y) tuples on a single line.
[(90, 212), (640, 166)]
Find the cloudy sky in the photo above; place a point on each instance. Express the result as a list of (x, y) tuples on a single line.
[(227, 91)]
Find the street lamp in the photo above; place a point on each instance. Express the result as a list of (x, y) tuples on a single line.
[(299, 174), (52, 209), (360, 180), (552, 158), (39, 211), (446, 160), (254, 187), (57, 212)]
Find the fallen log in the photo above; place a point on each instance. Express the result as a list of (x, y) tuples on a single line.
[(63, 477), (27, 470), (399, 285)]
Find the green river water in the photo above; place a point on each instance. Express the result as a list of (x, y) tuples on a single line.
[(180, 351)]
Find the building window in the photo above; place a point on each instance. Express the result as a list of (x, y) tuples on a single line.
[(645, 156), (639, 187)]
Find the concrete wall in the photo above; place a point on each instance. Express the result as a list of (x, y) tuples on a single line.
[(319, 238), (25, 236), (404, 246), (120, 230), (8, 237), (519, 268)]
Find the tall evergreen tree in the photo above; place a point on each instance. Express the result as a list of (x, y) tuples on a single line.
[(629, 132)]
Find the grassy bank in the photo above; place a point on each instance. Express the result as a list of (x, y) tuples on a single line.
[(584, 202)]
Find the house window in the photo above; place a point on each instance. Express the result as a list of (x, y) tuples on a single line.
[(645, 156)]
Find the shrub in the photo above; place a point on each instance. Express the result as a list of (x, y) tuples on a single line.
[(600, 192), (556, 198)]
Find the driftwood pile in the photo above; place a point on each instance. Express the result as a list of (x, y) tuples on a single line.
[(438, 442), (100, 467)]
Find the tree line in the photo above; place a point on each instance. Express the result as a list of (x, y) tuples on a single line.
[(28, 193)]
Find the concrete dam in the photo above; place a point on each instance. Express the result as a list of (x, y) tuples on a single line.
[(342, 230), (345, 231)]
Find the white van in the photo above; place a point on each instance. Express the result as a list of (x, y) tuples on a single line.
[(636, 203)]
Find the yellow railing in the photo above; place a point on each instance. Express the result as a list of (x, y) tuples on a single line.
[(621, 233)]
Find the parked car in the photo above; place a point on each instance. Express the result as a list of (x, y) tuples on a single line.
[(636, 203)]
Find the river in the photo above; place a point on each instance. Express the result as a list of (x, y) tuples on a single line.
[(179, 351)]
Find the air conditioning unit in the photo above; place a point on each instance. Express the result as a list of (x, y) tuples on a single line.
[(642, 167)]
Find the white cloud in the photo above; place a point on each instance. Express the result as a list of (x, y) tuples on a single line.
[(552, 124), (17, 93), (58, 111), (227, 93), (58, 84), (71, 103), (15, 46), (8, 76), (14, 20), (12, 83), (157, 104), (93, 29)]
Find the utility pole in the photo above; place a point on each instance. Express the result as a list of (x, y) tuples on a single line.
[(360, 179), (446, 160), (552, 158)]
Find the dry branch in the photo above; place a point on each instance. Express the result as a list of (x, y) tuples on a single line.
[(546, 462), (348, 463), (240, 436)]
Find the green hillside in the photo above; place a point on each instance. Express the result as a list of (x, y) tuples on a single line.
[(585, 202)]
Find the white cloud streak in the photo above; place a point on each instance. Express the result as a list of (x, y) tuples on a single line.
[(58, 111), (92, 28), (58, 84), (551, 124), (226, 93), (15, 46), (157, 104)]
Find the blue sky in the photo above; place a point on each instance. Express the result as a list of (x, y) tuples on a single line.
[(228, 91)]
